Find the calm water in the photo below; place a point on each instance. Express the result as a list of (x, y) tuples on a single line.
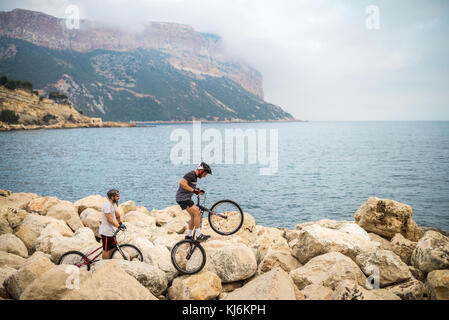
[(326, 169)]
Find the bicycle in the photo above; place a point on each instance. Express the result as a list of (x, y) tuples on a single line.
[(125, 251), (225, 218)]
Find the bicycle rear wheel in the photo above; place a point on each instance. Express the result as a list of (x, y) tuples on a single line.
[(227, 217), (75, 258), (130, 253), (188, 257)]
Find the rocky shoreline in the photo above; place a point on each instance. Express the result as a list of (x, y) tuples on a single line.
[(64, 125), (381, 255)]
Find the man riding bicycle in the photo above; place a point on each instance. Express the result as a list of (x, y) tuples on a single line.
[(110, 218), (187, 187)]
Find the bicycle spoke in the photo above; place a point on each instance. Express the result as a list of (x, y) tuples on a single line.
[(188, 257)]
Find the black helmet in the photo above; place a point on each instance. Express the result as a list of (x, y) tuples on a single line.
[(204, 166), (112, 193)]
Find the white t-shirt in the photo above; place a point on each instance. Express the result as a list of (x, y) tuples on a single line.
[(106, 228)]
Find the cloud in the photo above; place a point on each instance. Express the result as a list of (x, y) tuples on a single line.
[(318, 59)]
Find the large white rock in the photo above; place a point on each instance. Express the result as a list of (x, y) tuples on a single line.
[(205, 285), (91, 218), (278, 258), (233, 262), (17, 200), (386, 218), (149, 276), (160, 257), (14, 216), (272, 285), (65, 210), (41, 205), (12, 244), (127, 206), (327, 270), (317, 292), (4, 226), (139, 216), (32, 226), (386, 264), (315, 240), (96, 202), (431, 252), (268, 238), (36, 265)]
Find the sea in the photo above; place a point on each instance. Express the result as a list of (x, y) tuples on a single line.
[(282, 173)]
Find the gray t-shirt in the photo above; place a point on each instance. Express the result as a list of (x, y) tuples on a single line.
[(183, 194), (106, 228)]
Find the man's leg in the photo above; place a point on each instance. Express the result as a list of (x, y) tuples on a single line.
[(195, 217), (106, 254)]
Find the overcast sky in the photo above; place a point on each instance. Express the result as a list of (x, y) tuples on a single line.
[(320, 60)]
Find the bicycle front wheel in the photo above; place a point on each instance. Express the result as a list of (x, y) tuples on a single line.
[(188, 257), (75, 258), (226, 217), (127, 252)]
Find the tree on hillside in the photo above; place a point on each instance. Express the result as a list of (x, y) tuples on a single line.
[(9, 116), (3, 80), (58, 97)]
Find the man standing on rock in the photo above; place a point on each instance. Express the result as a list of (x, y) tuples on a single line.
[(110, 218), (187, 187)]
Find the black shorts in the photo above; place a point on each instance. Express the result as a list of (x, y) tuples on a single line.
[(108, 242), (185, 204)]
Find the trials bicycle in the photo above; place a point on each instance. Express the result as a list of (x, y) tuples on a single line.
[(225, 218), (121, 251)]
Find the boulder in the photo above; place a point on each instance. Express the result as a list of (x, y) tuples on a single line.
[(278, 258), (4, 226), (5, 271), (431, 252), (417, 274), (144, 210), (160, 257), (139, 216), (387, 265), (317, 292), (325, 223), (438, 284), (36, 265), (272, 285), (5, 193), (110, 282), (65, 210), (127, 206), (12, 244), (266, 239), (91, 218), (327, 270), (32, 226), (403, 247), (315, 240), (41, 205), (205, 285), (55, 244), (169, 240), (96, 202), (384, 244), (386, 218), (423, 230), (231, 286), (149, 276), (15, 216), (349, 290), (175, 226), (11, 260), (17, 200), (233, 263), (409, 290), (355, 230)]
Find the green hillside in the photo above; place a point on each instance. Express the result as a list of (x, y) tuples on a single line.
[(136, 85)]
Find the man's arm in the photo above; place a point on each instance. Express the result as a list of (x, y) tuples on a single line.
[(185, 185), (117, 215), (111, 220)]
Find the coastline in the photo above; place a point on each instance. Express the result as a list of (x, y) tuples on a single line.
[(212, 121), (17, 127), (317, 260)]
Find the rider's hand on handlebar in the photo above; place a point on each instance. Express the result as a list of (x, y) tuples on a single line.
[(122, 226), (198, 191)]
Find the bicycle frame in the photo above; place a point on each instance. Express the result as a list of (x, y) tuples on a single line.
[(88, 261), (202, 209)]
